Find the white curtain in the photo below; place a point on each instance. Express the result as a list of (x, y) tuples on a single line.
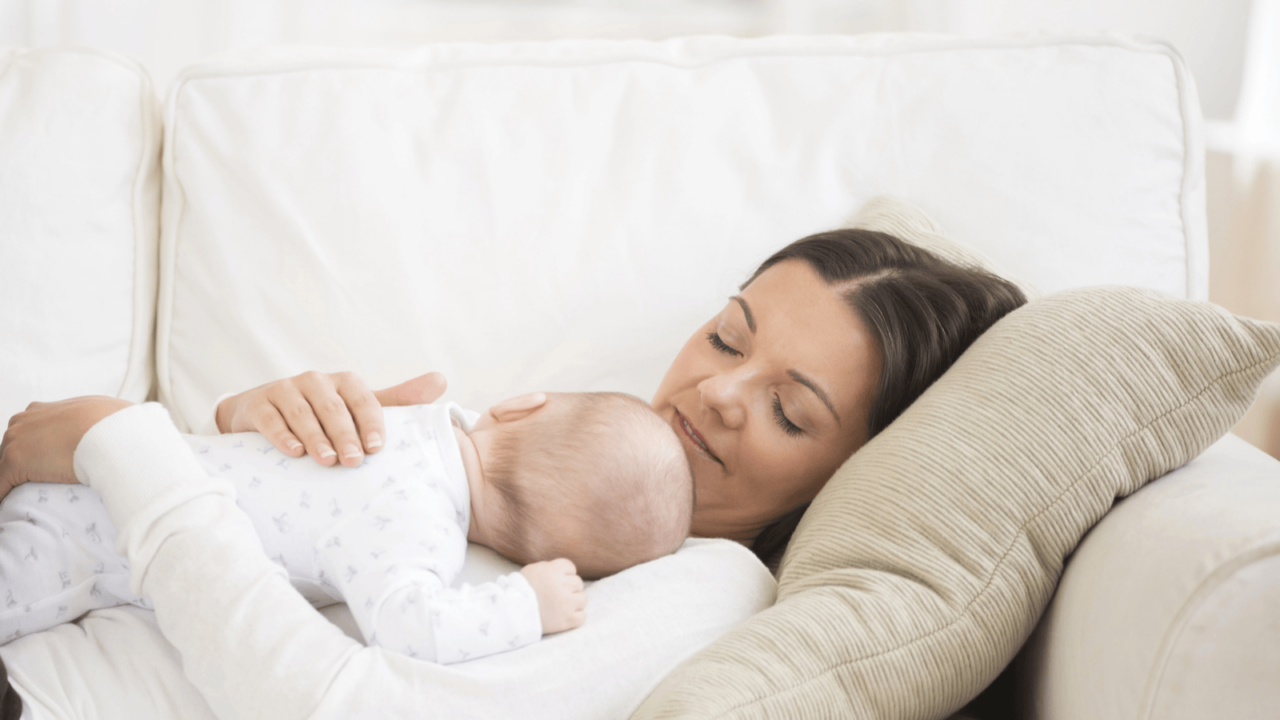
[(1244, 211), (1258, 113)]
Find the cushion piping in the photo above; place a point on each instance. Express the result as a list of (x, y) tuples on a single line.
[(1019, 534), (302, 61), (1187, 612)]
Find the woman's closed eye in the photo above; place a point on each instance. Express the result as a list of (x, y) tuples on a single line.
[(785, 423), (779, 416), (719, 344)]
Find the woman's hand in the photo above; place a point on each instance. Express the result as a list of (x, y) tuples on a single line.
[(40, 444), (331, 417)]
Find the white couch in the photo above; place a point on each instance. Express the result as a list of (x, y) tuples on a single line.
[(561, 216)]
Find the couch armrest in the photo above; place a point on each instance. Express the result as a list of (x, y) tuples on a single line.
[(1170, 607)]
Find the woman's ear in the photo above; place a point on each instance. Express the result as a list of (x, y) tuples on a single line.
[(518, 407)]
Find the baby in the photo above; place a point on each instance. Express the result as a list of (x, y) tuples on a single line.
[(561, 483)]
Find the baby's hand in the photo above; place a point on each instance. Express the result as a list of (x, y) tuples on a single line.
[(561, 601)]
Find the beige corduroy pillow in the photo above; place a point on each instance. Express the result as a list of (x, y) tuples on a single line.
[(928, 558)]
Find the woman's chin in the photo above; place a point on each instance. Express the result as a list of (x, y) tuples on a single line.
[(711, 525)]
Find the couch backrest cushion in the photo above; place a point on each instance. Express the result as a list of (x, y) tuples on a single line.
[(79, 226), (563, 215)]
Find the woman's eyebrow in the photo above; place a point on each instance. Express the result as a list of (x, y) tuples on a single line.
[(746, 310), (795, 375)]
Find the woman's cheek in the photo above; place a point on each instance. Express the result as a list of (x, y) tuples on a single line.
[(764, 457), (692, 364)]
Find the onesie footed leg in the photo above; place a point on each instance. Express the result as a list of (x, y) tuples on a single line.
[(57, 560)]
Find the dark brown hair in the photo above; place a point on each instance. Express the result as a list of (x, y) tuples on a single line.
[(922, 311)]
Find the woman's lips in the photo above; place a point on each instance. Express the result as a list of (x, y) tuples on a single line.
[(699, 443)]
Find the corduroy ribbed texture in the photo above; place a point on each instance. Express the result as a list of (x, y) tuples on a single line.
[(926, 561)]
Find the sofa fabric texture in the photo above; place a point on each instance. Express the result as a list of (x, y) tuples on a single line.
[(925, 563), (590, 203), (1162, 611), (587, 204), (79, 225)]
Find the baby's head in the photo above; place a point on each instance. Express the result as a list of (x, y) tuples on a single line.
[(598, 478)]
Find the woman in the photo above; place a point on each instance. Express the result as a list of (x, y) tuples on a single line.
[(827, 343)]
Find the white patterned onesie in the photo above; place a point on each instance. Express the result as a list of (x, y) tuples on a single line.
[(387, 537)]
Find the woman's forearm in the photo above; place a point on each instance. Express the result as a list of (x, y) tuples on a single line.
[(255, 649), (248, 640)]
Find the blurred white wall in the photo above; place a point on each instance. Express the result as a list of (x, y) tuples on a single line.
[(169, 34), (166, 35), (1231, 46), (1210, 34)]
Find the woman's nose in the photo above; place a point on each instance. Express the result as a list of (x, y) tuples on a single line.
[(725, 394)]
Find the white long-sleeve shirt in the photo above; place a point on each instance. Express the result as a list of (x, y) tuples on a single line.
[(251, 647), (387, 537)]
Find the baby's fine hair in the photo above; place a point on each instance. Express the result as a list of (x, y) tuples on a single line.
[(599, 478)]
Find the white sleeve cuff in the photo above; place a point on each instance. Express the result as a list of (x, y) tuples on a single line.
[(210, 425), (132, 457)]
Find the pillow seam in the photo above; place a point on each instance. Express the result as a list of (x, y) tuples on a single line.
[(1013, 542)]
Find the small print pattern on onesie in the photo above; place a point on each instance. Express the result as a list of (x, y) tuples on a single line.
[(57, 559), (387, 537)]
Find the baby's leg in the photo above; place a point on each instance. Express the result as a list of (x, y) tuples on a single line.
[(57, 558)]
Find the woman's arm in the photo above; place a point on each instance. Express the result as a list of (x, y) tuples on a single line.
[(249, 642), (253, 648), (39, 442), (332, 417)]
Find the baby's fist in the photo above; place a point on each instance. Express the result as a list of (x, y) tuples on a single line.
[(562, 604)]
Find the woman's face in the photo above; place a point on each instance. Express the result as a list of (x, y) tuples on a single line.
[(769, 398)]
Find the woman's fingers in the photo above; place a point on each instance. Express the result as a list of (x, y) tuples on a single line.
[(364, 408), (321, 420), (8, 463), (269, 422), (418, 391), (334, 418), (302, 423)]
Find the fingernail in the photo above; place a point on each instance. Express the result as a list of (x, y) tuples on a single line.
[(326, 452), (351, 451), (293, 445), (374, 440)]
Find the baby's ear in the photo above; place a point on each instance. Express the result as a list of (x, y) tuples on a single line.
[(518, 407)]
